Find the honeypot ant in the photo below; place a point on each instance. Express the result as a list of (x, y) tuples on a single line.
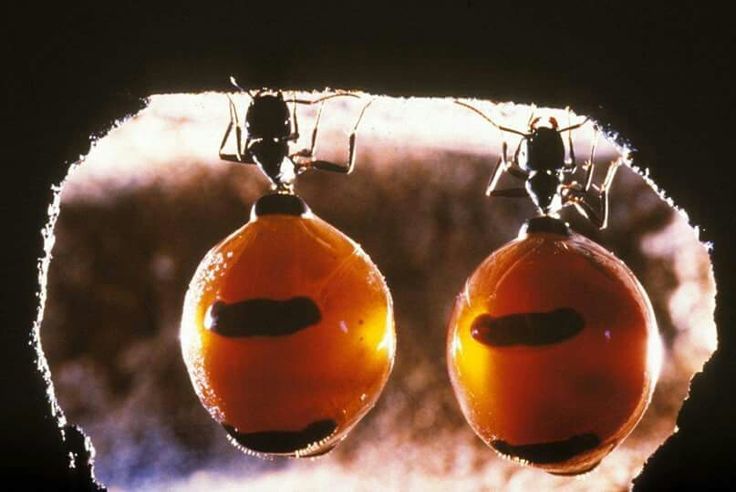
[(540, 161), (270, 128)]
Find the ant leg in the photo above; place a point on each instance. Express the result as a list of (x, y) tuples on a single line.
[(346, 169), (515, 171), (503, 165), (308, 153), (605, 188), (295, 122), (589, 213), (532, 119), (590, 165), (518, 172), (515, 162), (510, 193), (573, 194), (500, 165), (239, 149), (571, 166), (313, 144), (610, 174), (513, 167), (321, 100), (577, 198)]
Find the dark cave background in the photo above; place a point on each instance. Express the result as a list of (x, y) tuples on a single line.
[(656, 74)]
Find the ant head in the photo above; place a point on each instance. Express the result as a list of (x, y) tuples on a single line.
[(268, 115), (548, 122), (266, 92)]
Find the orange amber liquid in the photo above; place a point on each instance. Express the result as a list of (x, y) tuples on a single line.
[(553, 352), (296, 383)]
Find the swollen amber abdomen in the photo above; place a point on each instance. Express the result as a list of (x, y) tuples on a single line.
[(287, 332), (553, 351)]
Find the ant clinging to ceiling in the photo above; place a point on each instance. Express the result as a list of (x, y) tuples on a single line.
[(271, 127), (540, 161)]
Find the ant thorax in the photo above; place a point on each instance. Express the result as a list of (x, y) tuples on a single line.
[(283, 179), (544, 188), (286, 177)]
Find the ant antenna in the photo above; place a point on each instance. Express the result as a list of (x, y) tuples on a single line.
[(532, 110), (487, 118), (325, 98), (573, 127), (234, 83)]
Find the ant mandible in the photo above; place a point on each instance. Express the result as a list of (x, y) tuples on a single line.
[(270, 128), (540, 161)]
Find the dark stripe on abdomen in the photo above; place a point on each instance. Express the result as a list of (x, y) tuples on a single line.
[(262, 317), (527, 328), (549, 452), (284, 441)]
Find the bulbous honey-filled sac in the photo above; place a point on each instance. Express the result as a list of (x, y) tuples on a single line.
[(553, 350), (287, 332)]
